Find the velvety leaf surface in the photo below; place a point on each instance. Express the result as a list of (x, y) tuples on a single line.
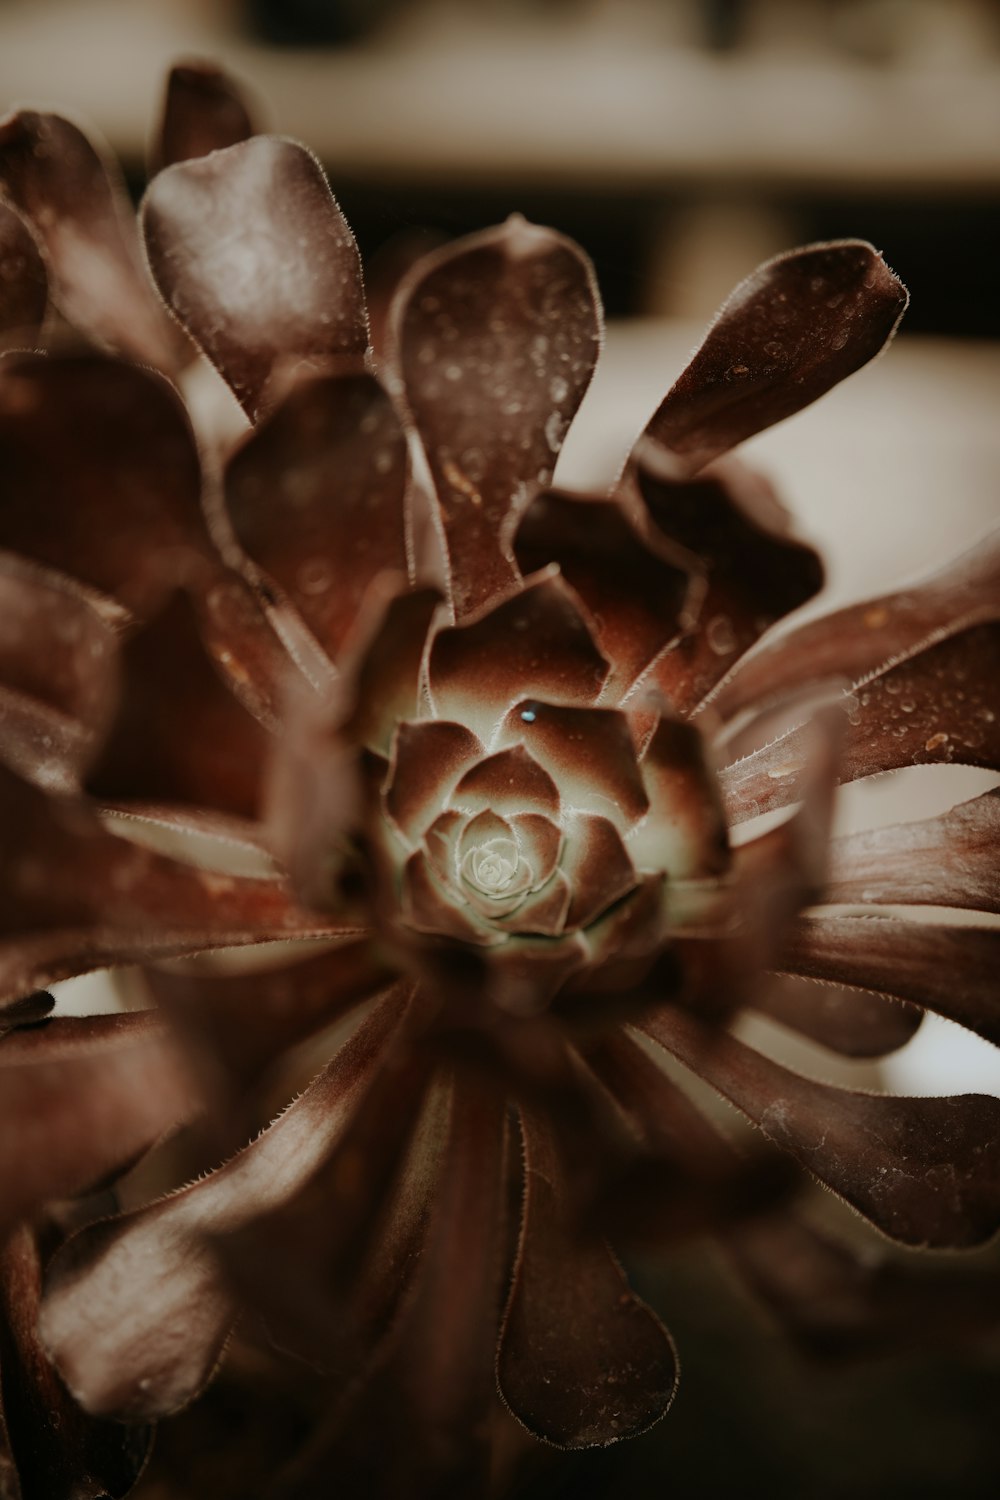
[(951, 970), (24, 283), (849, 1021), (49, 1448), (80, 1099), (937, 707), (583, 1362), (587, 751), (315, 497), (255, 259), (428, 758), (924, 1171), (950, 860), (633, 582), (494, 343), (857, 641), (137, 1309), (77, 207), (427, 906), (178, 735), (756, 570), (536, 644), (101, 472), (790, 331), (509, 782), (204, 110)]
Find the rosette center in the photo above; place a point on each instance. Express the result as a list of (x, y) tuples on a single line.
[(494, 868)]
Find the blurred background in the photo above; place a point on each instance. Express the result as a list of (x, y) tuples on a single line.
[(680, 142)]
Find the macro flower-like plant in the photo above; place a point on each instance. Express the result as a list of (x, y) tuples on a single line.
[(473, 750)]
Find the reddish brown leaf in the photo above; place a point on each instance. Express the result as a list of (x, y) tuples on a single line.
[(951, 970), (936, 707), (635, 584), (24, 283), (255, 259), (77, 206), (316, 498), (537, 644), (137, 1309), (798, 325), (58, 674), (924, 1171), (950, 860), (859, 640), (597, 866), (101, 472), (204, 110), (684, 831), (494, 340), (80, 1099), (583, 1362), (384, 678), (248, 1021), (49, 1448), (756, 571), (588, 752), (439, 1380), (848, 1021), (509, 782), (178, 734), (428, 758), (72, 893)]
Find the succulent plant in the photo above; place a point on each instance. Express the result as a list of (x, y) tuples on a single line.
[(364, 682)]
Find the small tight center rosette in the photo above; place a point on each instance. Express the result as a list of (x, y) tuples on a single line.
[(515, 815)]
